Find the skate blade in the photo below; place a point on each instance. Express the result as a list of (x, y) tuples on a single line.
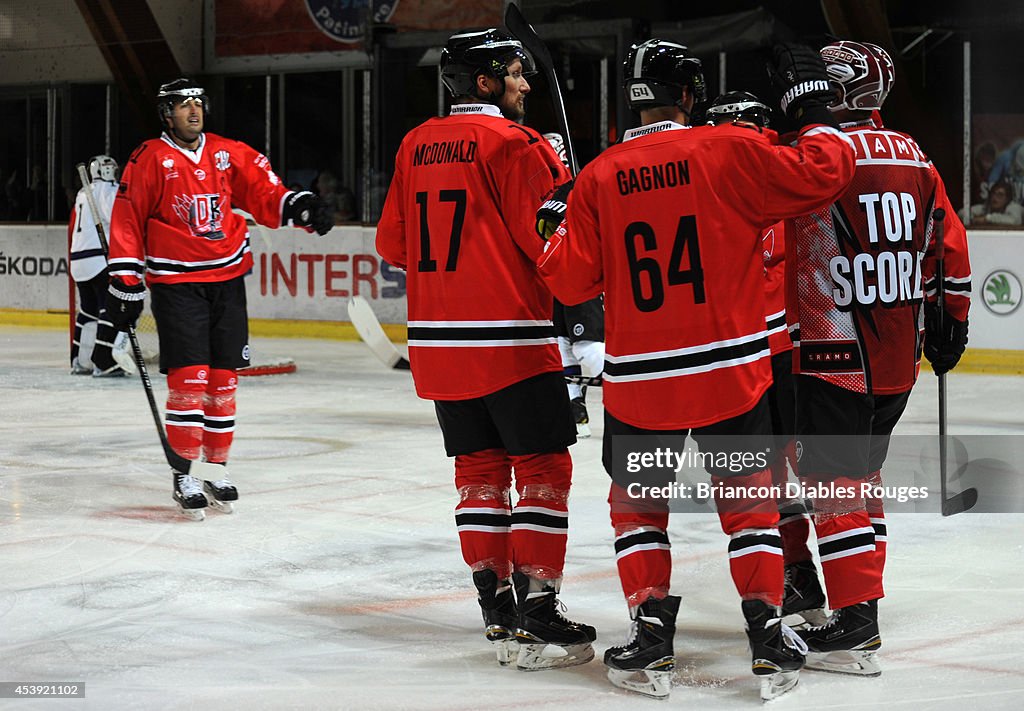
[(223, 506), (854, 663), (656, 684), (507, 650), (775, 685), (537, 657), (193, 514), (583, 430)]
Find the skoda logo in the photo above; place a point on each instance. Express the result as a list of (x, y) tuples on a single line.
[(345, 20), (1001, 292)]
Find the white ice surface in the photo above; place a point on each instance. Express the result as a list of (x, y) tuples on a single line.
[(338, 582)]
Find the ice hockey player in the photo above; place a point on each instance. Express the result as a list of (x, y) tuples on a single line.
[(803, 593), (668, 224), (94, 348), (173, 225), (459, 218), (862, 285)]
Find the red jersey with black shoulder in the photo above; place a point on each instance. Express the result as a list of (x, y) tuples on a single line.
[(860, 268), (669, 225), (173, 221), (459, 218)]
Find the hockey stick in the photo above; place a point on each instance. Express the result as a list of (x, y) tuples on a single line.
[(372, 333), (201, 470), (965, 500), (523, 31)]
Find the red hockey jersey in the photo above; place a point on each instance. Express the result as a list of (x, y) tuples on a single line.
[(172, 220), (459, 218), (669, 224), (859, 269), (773, 244)]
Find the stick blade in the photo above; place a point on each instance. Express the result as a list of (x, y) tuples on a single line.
[(370, 330), (959, 503)]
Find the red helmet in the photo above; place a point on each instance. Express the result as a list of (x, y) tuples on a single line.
[(863, 70)]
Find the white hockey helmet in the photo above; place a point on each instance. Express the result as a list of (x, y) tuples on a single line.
[(103, 168)]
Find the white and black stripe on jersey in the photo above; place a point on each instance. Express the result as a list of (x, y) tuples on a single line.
[(687, 361), (483, 520), (480, 334), (642, 538), (755, 540), (158, 266), (847, 543), (881, 532), (776, 323), (952, 285), (540, 520)]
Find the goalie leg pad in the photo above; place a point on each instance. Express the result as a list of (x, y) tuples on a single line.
[(184, 417), (219, 414)]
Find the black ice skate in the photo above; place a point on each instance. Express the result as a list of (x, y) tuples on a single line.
[(847, 643), (580, 416), (547, 640), (646, 662), (803, 595), (189, 496), (777, 653), (222, 494), (498, 605)]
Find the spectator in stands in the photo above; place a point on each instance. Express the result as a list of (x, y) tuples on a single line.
[(1009, 167), (998, 209)]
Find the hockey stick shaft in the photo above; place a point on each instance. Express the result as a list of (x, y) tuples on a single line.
[(940, 302), (966, 499), (523, 31), (177, 462)]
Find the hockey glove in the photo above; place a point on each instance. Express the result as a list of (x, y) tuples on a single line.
[(799, 75), (944, 347), (552, 212), (304, 209), (124, 303)]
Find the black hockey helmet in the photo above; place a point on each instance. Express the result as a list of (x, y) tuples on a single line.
[(738, 106), (467, 55), (174, 92), (656, 70)]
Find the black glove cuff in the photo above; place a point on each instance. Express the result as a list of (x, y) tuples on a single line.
[(815, 112)]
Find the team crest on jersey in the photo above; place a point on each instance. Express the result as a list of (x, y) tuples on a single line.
[(222, 159), (345, 21), (768, 245), (169, 170), (202, 214)]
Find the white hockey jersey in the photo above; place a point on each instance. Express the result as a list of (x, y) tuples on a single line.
[(87, 259)]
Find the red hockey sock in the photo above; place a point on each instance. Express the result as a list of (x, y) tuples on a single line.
[(184, 416), (643, 553), (540, 519), (483, 515), (755, 548), (876, 512), (219, 414), (846, 545)]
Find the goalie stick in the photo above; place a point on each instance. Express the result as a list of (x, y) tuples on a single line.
[(200, 470), (372, 333), (966, 499), (523, 31)]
